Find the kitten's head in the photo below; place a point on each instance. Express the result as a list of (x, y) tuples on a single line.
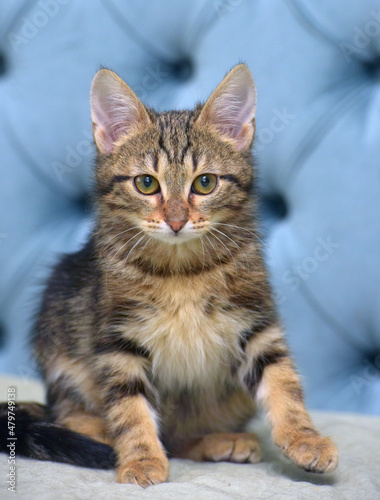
[(174, 176)]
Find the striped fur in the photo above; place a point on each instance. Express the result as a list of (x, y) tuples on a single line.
[(158, 346)]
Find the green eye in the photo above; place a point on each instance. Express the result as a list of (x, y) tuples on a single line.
[(147, 184), (204, 184)]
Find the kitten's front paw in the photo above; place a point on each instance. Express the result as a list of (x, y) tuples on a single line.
[(144, 472), (312, 453)]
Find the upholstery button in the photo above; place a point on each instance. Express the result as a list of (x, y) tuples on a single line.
[(183, 69), (275, 205), (83, 203), (3, 64), (373, 68)]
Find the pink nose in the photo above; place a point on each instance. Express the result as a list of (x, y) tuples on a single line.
[(176, 225)]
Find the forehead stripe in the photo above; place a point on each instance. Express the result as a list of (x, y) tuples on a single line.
[(155, 162), (195, 161)]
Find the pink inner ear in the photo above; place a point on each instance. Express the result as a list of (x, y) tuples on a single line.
[(112, 118), (102, 139), (231, 108), (115, 110)]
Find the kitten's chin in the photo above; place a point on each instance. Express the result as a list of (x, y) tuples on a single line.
[(175, 238)]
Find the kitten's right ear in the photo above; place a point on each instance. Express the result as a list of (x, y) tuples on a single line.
[(115, 110)]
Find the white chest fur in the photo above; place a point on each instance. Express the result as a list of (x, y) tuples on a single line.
[(191, 341)]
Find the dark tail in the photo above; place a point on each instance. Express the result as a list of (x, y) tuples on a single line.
[(38, 438)]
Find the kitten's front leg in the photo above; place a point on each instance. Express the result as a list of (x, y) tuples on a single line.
[(269, 374), (130, 411)]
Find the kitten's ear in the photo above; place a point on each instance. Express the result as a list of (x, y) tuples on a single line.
[(231, 108), (115, 110)]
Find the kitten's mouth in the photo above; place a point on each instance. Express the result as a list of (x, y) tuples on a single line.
[(175, 233), (175, 238)]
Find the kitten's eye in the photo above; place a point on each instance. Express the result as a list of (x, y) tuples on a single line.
[(204, 184), (147, 184)]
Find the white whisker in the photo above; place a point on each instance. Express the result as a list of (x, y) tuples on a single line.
[(122, 246), (204, 255), (243, 229), (122, 232), (234, 242), (148, 241), (114, 255), (225, 246), (215, 250), (134, 246)]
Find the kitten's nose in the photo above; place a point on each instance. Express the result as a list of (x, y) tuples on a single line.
[(176, 225)]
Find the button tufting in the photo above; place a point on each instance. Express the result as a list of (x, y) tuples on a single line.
[(183, 69), (83, 203), (372, 366), (3, 64), (275, 205), (373, 68)]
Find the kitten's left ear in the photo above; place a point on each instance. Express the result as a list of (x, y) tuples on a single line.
[(231, 108)]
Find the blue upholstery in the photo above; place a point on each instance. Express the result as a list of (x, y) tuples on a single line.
[(317, 70)]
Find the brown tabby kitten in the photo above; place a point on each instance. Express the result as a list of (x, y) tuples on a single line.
[(158, 337)]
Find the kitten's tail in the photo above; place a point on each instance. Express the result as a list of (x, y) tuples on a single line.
[(30, 434)]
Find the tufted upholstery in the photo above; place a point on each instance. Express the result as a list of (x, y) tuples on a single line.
[(317, 70)]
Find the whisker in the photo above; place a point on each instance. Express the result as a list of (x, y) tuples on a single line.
[(223, 234), (122, 232), (234, 242), (243, 229), (122, 246), (225, 246), (215, 250), (204, 255), (134, 246), (114, 255), (148, 241)]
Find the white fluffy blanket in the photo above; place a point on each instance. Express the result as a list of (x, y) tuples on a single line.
[(357, 476)]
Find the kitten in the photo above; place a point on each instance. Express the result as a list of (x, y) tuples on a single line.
[(158, 337)]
